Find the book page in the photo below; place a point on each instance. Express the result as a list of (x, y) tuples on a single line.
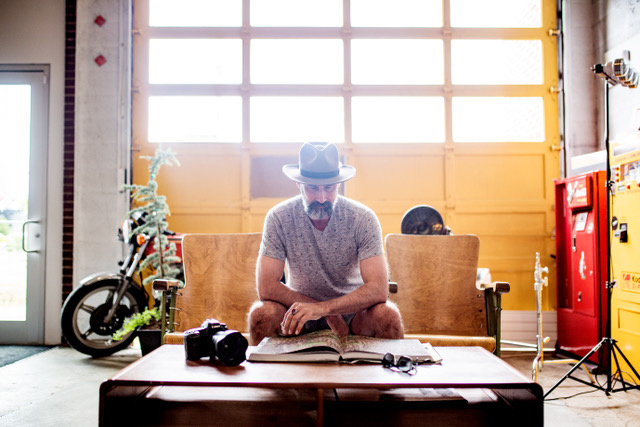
[(355, 347), (320, 340), (359, 343)]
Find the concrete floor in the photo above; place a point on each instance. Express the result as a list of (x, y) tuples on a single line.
[(574, 404), (59, 387)]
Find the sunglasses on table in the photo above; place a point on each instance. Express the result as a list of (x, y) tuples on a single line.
[(401, 364)]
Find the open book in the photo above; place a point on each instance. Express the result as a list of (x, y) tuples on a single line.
[(327, 346)]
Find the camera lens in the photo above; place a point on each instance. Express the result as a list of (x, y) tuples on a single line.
[(230, 347)]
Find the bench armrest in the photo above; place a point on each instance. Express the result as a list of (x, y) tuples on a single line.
[(165, 284), (497, 287)]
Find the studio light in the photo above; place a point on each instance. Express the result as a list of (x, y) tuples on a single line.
[(617, 72)]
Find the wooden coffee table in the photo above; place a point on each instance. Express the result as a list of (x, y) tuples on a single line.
[(164, 381)]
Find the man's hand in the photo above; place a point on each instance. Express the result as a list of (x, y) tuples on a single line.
[(299, 313), (338, 325)]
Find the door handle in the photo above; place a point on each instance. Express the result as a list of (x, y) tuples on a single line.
[(24, 229)]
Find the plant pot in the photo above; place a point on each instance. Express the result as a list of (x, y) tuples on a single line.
[(150, 339)]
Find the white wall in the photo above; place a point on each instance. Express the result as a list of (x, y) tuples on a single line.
[(32, 32), (102, 134), (617, 28), (580, 83)]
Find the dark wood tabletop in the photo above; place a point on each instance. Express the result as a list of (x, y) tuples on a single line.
[(463, 367)]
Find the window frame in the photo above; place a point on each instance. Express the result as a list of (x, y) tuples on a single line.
[(246, 90)]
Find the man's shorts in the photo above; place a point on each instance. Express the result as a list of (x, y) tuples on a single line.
[(321, 324)]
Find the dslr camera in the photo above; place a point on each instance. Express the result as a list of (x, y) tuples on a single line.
[(215, 340)]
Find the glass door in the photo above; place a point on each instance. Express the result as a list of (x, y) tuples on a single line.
[(24, 94)]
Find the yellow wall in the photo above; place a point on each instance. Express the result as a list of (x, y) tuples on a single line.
[(501, 192)]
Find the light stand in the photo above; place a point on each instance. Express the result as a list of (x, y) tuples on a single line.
[(613, 72)]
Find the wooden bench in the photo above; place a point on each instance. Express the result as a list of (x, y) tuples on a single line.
[(436, 290)]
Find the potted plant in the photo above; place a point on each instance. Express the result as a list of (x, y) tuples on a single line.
[(162, 262), (146, 323)]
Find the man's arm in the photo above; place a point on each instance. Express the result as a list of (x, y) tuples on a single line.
[(270, 288), (375, 290)]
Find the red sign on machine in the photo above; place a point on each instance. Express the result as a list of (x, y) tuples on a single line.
[(579, 192)]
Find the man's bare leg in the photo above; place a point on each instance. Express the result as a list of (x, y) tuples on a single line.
[(264, 320), (380, 321)]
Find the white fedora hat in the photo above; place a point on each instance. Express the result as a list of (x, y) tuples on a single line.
[(319, 164)]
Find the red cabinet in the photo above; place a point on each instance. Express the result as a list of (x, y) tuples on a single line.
[(581, 255)]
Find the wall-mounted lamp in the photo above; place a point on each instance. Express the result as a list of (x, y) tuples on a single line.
[(618, 72)]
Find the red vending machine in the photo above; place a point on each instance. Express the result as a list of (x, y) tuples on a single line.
[(581, 256)]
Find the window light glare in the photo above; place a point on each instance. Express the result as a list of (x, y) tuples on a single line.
[(513, 62), (498, 119), (396, 13), (297, 119), (195, 13), (296, 13), (397, 119), (496, 13), (195, 119), (297, 61), (195, 61), (395, 62)]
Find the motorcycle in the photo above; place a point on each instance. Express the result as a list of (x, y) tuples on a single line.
[(98, 308)]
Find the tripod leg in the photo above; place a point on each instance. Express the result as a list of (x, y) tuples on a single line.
[(612, 375), (568, 374), (614, 348), (536, 367)]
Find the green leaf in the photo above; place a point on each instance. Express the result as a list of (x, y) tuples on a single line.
[(136, 321)]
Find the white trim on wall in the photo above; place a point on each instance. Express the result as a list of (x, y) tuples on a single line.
[(522, 326)]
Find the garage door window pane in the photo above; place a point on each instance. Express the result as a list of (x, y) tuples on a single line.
[(297, 61), (498, 119), (393, 62), (496, 13), (496, 62), (297, 119), (396, 13), (296, 13), (397, 119), (195, 119), (195, 13), (189, 61)]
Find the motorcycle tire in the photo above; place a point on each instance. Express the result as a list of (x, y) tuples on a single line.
[(82, 318)]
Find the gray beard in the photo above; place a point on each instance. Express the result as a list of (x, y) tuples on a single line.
[(317, 210)]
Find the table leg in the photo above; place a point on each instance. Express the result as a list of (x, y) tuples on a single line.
[(320, 407)]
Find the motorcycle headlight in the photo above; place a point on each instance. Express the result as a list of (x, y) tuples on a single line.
[(126, 230)]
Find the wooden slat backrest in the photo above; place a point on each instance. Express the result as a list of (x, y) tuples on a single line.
[(436, 283), (220, 279)]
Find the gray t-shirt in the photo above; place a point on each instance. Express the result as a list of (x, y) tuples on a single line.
[(322, 264)]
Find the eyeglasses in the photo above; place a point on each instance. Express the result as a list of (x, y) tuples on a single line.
[(402, 364)]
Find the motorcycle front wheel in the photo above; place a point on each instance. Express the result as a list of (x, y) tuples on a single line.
[(83, 314)]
